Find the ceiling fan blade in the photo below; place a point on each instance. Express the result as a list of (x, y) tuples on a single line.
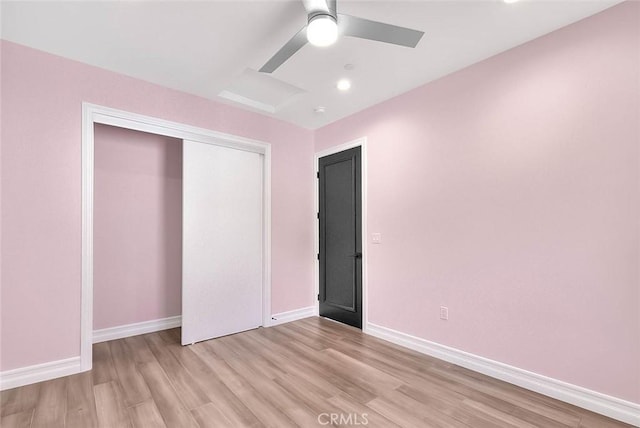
[(381, 32), (286, 52)]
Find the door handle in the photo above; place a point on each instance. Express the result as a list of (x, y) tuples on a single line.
[(356, 255)]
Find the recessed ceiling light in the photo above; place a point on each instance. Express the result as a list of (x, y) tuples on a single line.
[(344, 84), (510, 1), (322, 30)]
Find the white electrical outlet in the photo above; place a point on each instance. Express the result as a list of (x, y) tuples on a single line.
[(376, 238), (444, 313)]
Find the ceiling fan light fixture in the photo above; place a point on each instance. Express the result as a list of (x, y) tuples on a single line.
[(322, 30)]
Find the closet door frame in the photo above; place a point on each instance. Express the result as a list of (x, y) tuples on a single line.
[(92, 114)]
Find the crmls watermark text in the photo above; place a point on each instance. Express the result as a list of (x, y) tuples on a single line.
[(343, 418)]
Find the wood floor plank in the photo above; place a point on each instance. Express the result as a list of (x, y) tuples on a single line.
[(268, 414), (548, 417), (189, 392), (436, 399), (19, 400), (110, 406), (517, 398), (497, 415), (173, 335), (141, 351), (17, 420), (134, 388), (209, 382), (396, 414), (209, 416), (51, 408), (375, 380), (283, 400), (103, 369), (146, 415), (255, 357), (345, 405), (81, 406), (305, 392), (315, 342), (223, 372), (592, 420), (294, 366), (6, 397), (220, 349), (171, 408), (428, 413), (388, 362), (318, 365)]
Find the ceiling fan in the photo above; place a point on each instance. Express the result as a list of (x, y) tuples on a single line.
[(324, 24)]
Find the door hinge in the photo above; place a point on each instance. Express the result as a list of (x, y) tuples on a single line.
[(318, 215), (318, 297), (318, 174), (318, 256)]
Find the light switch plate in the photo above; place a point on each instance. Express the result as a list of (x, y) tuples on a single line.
[(376, 238)]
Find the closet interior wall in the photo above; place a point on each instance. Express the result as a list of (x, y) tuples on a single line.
[(137, 227)]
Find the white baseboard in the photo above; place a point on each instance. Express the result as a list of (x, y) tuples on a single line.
[(39, 373), (135, 329), (289, 316), (612, 407)]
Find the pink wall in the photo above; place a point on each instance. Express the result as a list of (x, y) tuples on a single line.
[(41, 190), (137, 227), (509, 192)]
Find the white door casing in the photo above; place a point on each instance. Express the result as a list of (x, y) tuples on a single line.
[(92, 114)]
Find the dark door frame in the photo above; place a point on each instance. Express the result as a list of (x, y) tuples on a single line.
[(362, 143)]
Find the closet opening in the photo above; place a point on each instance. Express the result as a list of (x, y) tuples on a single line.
[(137, 276), (175, 229)]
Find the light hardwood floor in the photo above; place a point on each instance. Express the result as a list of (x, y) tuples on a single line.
[(295, 374)]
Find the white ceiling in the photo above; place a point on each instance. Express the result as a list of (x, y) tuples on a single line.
[(206, 47)]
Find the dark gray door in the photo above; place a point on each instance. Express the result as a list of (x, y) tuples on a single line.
[(340, 194)]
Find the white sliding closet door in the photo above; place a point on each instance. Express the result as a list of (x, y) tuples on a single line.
[(222, 241)]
